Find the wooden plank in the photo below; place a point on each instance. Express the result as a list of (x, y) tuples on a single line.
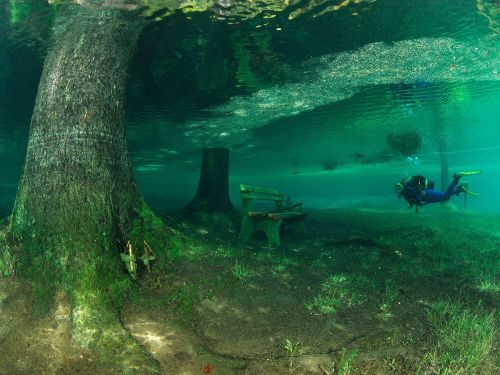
[(262, 197), (259, 190), (257, 214), (257, 193)]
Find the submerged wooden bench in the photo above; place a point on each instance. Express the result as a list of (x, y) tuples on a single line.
[(269, 221)]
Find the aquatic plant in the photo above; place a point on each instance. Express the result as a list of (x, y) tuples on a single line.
[(463, 339), (282, 263), (385, 308), (487, 283), (355, 298), (339, 289), (223, 251), (287, 261), (324, 303), (279, 268), (392, 364), (347, 288), (241, 272), (293, 350), (344, 366), (335, 284), (390, 294), (180, 246)]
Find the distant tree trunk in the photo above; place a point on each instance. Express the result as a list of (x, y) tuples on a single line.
[(438, 125), (77, 194), (212, 195), (445, 174)]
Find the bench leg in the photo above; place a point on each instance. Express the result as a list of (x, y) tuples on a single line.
[(247, 228), (272, 230), (301, 226)]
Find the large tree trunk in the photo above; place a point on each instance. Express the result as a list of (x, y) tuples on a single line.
[(77, 195), (212, 195)]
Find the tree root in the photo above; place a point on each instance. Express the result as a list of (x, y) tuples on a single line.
[(98, 328)]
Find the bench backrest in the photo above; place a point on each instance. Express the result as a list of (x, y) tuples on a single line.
[(249, 194)]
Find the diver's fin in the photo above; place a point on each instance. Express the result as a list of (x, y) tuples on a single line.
[(467, 173), (466, 190)]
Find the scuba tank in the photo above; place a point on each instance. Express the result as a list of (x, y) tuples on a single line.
[(412, 189)]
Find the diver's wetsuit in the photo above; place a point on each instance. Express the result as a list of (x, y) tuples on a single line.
[(433, 196), (415, 196)]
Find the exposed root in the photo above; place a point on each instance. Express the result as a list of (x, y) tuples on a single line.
[(97, 327)]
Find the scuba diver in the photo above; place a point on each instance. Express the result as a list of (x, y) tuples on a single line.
[(419, 191)]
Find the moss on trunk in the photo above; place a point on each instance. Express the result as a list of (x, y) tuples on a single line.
[(77, 197)]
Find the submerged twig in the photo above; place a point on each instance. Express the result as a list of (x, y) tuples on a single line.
[(325, 371)]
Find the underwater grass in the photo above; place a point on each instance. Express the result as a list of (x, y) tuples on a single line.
[(344, 365), (279, 268), (463, 339), (282, 264), (292, 349), (391, 293), (223, 252), (464, 255), (182, 247), (324, 304), (488, 283), (340, 289), (241, 272)]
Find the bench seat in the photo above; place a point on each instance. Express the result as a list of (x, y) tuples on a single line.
[(269, 222), (276, 215)]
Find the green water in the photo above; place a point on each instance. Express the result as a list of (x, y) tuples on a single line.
[(305, 95), (319, 89)]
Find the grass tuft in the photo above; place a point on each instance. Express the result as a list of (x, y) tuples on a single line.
[(340, 289), (241, 272), (463, 339)]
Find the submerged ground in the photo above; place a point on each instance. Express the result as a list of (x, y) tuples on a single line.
[(360, 291)]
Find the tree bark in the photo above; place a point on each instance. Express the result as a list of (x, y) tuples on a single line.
[(77, 195), (212, 196)]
